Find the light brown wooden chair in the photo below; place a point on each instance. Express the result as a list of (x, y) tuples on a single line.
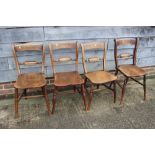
[(130, 71), (29, 80), (69, 78), (100, 77)]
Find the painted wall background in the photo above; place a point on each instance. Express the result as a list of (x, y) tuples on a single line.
[(9, 35)]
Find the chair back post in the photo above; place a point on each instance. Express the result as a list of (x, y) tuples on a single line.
[(16, 59), (52, 58), (43, 59), (77, 57), (135, 51), (84, 59), (104, 55), (115, 54)]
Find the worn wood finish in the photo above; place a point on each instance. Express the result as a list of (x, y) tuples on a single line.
[(68, 79), (100, 77), (131, 70), (128, 70), (28, 47), (65, 79), (30, 80), (97, 77), (90, 47), (27, 81)]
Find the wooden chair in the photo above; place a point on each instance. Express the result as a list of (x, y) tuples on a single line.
[(100, 77), (31, 80), (65, 79), (130, 71)]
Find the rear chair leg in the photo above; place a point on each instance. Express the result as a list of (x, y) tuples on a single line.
[(46, 99), (144, 86), (54, 100), (123, 90), (91, 97), (16, 103), (114, 89), (85, 81), (116, 72), (84, 96)]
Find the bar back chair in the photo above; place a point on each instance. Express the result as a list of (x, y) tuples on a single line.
[(30, 80), (99, 77), (130, 71), (69, 78)]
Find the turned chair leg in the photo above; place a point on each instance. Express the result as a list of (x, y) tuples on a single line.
[(46, 99), (114, 89), (123, 89), (116, 72), (16, 103), (84, 96), (85, 81), (54, 100), (98, 86), (25, 92), (144, 86), (91, 97)]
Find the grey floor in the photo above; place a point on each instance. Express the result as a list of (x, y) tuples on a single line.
[(70, 114)]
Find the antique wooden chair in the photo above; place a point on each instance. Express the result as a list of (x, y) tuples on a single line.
[(99, 77), (69, 78), (130, 71), (30, 80)]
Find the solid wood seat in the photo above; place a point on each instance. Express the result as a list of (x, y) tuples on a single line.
[(131, 70), (99, 77), (30, 80), (68, 79)]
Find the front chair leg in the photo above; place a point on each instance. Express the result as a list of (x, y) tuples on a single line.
[(123, 89), (54, 99), (84, 96), (144, 86), (16, 103), (90, 97), (46, 99)]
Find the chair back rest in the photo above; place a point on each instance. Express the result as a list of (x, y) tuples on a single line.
[(68, 57), (125, 56), (29, 48), (88, 47)]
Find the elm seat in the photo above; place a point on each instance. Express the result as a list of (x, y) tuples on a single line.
[(30, 80), (68, 78), (99, 77), (131, 70)]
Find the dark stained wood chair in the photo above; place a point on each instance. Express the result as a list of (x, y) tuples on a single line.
[(130, 71), (99, 77), (30, 80), (69, 78)]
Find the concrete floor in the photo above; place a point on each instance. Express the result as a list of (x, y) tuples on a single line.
[(70, 113)]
